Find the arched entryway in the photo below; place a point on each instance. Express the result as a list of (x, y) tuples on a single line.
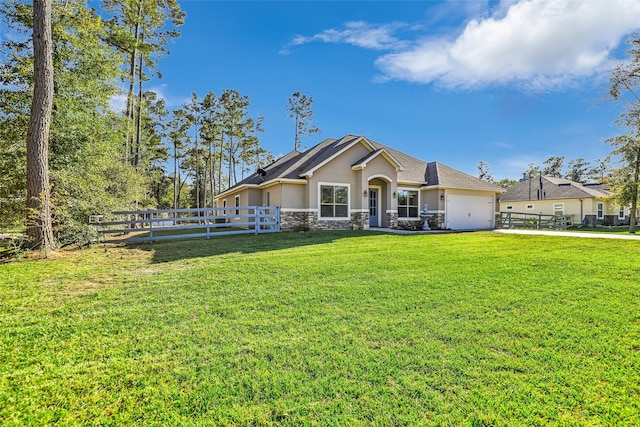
[(378, 200)]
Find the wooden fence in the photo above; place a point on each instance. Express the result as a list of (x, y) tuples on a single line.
[(536, 221), (154, 225)]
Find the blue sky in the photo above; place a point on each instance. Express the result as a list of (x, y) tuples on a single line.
[(509, 83)]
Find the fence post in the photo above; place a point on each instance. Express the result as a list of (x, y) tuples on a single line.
[(207, 219), (151, 229), (256, 213)]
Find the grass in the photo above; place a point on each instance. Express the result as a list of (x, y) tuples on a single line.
[(331, 328), (602, 229)]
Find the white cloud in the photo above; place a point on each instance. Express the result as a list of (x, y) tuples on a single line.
[(538, 44), (357, 33)]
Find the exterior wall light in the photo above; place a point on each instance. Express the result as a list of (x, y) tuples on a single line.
[(395, 194), (442, 197)]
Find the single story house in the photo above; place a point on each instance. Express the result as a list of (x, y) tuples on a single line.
[(355, 182), (588, 204)]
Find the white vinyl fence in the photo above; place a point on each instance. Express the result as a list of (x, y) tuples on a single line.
[(155, 225)]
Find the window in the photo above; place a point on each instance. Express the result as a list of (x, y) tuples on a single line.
[(509, 207), (600, 210), (621, 213), (267, 199), (237, 204), (558, 208), (334, 201), (407, 204), (529, 207)]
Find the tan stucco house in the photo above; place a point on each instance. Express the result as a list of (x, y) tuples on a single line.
[(588, 204), (356, 182)]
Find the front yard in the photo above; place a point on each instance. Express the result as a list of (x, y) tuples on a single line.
[(325, 328)]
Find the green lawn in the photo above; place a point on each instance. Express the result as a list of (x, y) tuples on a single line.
[(325, 328), (611, 230)]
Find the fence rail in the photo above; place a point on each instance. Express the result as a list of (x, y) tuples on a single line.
[(166, 224), (536, 221)]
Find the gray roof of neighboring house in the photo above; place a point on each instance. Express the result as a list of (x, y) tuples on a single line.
[(295, 165), (551, 188)]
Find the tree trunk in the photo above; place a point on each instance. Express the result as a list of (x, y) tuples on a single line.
[(212, 184), (220, 163), (175, 177), (38, 191), (136, 158), (129, 143), (634, 196), (197, 169)]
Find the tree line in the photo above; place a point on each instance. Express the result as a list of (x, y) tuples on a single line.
[(66, 153), (578, 170)]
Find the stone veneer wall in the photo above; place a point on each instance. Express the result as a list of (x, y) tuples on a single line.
[(319, 224), (309, 220), (360, 220), (294, 220), (392, 220), (436, 222)]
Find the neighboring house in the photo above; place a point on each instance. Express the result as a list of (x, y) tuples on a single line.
[(587, 203), (354, 182)]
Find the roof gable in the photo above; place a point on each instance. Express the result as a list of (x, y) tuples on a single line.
[(332, 151), (362, 163)]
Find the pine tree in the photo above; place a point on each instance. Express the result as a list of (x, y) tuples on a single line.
[(38, 187), (299, 107)]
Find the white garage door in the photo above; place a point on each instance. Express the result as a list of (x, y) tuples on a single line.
[(466, 212)]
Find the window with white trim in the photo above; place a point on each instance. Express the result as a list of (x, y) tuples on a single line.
[(509, 207), (407, 204), (237, 205), (600, 210), (267, 199), (621, 213), (558, 208), (334, 201), (530, 207)]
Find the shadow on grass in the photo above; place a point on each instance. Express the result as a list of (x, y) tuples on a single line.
[(180, 249)]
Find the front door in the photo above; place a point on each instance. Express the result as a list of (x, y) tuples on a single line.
[(374, 210)]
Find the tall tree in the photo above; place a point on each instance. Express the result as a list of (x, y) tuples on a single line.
[(238, 127), (484, 171), (299, 107), (211, 134), (532, 171), (194, 115), (178, 136), (625, 182), (554, 166), (600, 171), (140, 30), (625, 85), (38, 187), (578, 169)]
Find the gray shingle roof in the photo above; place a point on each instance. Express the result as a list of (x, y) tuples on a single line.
[(295, 165), (552, 189)]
